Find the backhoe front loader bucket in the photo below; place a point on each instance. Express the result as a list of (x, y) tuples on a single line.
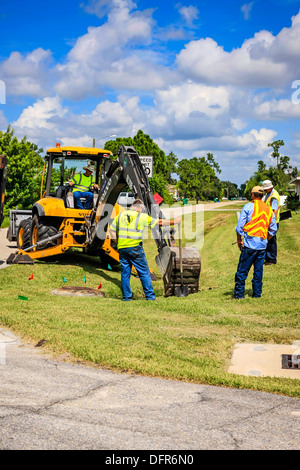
[(168, 262), (16, 258)]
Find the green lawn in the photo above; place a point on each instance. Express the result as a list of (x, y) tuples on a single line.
[(189, 338)]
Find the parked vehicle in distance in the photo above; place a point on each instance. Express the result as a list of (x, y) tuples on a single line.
[(126, 199)]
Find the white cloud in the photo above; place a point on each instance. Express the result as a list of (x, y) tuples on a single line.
[(189, 13), (206, 61), (187, 98), (47, 121), (39, 115), (277, 110), (42, 122), (172, 124), (246, 9), (101, 8), (108, 56), (237, 154), (189, 109), (3, 121), (123, 117), (206, 101), (262, 61), (250, 144), (27, 75), (171, 33), (238, 124)]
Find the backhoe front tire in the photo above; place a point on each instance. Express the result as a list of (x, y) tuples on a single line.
[(41, 229), (24, 234)]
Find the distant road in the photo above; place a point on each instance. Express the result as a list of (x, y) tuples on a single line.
[(188, 209)]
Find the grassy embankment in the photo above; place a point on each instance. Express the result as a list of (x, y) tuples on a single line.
[(189, 338)]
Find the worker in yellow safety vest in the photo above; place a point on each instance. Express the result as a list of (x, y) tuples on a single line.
[(272, 199), (127, 231), (82, 184)]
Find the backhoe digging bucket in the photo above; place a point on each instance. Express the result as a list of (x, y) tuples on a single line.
[(168, 262)]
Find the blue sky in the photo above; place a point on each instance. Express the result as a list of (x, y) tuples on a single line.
[(197, 76)]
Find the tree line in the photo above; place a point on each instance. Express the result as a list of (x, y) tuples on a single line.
[(196, 177), (281, 173)]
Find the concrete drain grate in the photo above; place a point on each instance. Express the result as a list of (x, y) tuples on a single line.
[(290, 361), (77, 291)]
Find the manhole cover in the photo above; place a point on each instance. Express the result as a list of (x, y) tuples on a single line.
[(78, 291)]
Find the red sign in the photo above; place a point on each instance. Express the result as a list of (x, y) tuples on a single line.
[(158, 199)]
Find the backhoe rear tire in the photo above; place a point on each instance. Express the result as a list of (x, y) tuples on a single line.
[(41, 228), (24, 234)]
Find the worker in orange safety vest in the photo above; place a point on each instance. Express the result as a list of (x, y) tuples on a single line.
[(257, 224)]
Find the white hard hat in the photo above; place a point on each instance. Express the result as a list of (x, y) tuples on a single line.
[(267, 184)]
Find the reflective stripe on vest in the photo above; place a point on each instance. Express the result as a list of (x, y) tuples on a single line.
[(84, 183), (260, 220), (128, 225), (274, 195)]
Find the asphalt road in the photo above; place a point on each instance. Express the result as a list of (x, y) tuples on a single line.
[(6, 248), (48, 404)]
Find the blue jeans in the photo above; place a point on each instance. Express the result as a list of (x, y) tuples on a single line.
[(87, 195), (249, 257), (271, 253), (135, 256)]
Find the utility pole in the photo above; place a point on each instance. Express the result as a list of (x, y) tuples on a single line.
[(104, 137)]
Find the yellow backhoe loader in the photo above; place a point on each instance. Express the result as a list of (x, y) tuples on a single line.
[(54, 224)]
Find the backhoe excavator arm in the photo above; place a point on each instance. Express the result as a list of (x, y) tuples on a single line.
[(126, 170), (178, 267)]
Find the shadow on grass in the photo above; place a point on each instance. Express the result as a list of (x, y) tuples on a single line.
[(230, 294)]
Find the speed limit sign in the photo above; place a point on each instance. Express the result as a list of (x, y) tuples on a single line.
[(147, 161)]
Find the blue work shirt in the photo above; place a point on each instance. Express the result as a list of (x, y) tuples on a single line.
[(274, 202), (255, 243)]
